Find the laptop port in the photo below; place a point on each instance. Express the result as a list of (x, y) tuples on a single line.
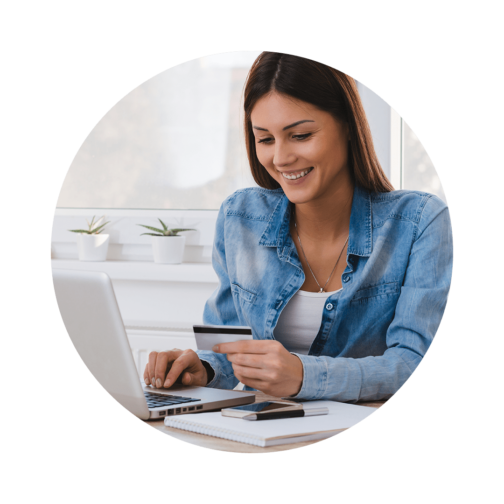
[(170, 412), (185, 409), (192, 408), (199, 407), (162, 413), (178, 410)]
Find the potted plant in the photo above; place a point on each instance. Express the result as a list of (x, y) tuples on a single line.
[(167, 245), (91, 243)]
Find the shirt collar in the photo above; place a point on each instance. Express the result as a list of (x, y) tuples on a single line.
[(360, 241)]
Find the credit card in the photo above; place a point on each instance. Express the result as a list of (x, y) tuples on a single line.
[(209, 335)]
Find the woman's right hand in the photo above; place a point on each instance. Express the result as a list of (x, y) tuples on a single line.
[(184, 366)]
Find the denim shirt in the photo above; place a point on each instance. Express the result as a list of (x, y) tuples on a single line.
[(374, 333)]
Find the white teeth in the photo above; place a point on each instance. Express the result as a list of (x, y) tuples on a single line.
[(295, 176)]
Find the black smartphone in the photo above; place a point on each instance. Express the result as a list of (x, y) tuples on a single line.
[(269, 406)]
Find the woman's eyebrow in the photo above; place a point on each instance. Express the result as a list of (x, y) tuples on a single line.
[(286, 127)]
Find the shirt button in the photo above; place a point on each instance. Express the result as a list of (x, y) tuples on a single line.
[(346, 278), (329, 306)]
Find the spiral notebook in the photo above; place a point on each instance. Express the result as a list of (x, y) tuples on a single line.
[(275, 432)]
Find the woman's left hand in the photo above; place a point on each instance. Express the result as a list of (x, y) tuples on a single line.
[(264, 365)]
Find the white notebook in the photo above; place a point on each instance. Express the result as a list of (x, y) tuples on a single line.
[(275, 432)]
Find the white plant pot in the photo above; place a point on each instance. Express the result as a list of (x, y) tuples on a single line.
[(92, 247), (168, 249)]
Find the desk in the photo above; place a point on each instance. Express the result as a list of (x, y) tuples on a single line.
[(392, 429), (224, 445)]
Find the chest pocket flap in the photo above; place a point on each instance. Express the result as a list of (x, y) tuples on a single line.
[(245, 295), (376, 291)]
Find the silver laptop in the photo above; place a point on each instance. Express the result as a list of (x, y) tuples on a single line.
[(91, 315)]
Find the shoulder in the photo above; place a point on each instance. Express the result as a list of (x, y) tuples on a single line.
[(253, 203), (416, 206)]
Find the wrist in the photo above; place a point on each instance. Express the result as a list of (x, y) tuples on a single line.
[(299, 376)]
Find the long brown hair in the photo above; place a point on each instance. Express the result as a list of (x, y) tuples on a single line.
[(329, 90)]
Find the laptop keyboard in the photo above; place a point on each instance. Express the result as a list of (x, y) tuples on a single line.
[(157, 401)]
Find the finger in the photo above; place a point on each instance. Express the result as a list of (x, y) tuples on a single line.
[(187, 378), (244, 372), (179, 364), (247, 359), (244, 346), (257, 384), (261, 385), (162, 363), (152, 367)]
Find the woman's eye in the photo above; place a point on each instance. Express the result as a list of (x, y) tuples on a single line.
[(297, 137)]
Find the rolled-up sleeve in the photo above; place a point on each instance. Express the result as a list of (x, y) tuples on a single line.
[(220, 310), (417, 317)]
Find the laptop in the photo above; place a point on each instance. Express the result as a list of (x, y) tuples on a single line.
[(92, 318)]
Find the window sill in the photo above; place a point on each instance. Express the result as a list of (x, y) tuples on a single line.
[(140, 270)]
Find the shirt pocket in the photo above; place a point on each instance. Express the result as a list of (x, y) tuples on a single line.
[(243, 294), (376, 293)]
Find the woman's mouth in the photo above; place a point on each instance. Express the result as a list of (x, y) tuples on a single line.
[(296, 175)]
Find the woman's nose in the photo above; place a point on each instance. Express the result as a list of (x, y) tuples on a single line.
[(283, 155)]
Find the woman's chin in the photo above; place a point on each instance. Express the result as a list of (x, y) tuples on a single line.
[(298, 195)]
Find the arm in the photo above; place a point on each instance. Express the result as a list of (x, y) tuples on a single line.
[(418, 314), (219, 310)]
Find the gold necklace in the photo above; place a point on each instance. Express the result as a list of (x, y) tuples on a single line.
[(309, 267)]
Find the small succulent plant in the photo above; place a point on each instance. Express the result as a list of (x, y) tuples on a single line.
[(163, 232), (94, 227)]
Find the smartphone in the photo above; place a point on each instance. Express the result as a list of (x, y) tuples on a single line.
[(269, 406)]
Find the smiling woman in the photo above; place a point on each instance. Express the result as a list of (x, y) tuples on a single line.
[(345, 280), (313, 88)]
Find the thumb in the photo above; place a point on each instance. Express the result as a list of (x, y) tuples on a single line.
[(187, 379)]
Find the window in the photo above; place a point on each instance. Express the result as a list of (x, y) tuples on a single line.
[(174, 142)]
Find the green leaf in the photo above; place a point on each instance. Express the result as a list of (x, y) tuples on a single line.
[(85, 231), (99, 228), (152, 228), (151, 234), (179, 230), (99, 220), (163, 224)]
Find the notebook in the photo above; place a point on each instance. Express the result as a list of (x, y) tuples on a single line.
[(275, 432)]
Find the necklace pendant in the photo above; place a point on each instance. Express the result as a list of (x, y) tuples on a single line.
[(321, 290)]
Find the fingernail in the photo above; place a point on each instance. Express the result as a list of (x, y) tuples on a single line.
[(153, 381), (215, 348), (158, 383), (167, 383)]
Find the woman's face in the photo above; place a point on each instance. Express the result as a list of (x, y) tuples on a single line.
[(303, 148)]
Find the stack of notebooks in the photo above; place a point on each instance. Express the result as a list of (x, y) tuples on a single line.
[(275, 432)]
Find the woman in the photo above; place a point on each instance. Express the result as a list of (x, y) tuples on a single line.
[(342, 280)]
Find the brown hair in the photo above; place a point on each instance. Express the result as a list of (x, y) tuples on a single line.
[(329, 90)]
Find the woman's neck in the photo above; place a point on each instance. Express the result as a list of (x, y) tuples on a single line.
[(328, 218)]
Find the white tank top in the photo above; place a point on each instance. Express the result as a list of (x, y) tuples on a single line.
[(299, 322)]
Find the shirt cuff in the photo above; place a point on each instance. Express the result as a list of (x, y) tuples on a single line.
[(315, 376)]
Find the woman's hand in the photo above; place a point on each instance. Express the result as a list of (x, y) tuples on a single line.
[(264, 365), (165, 368)]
